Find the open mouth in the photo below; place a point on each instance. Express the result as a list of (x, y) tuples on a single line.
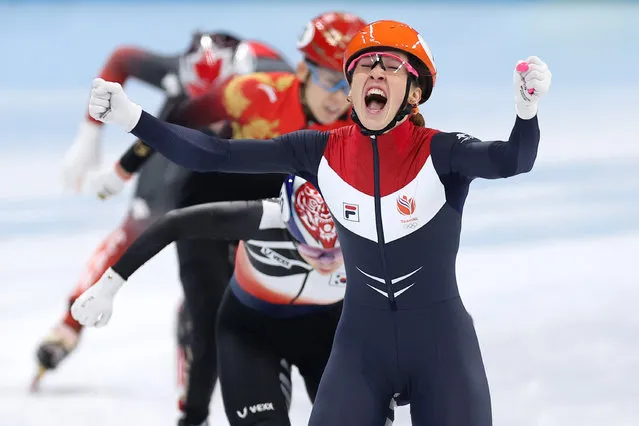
[(375, 100)]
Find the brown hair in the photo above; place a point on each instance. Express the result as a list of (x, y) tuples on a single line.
[(416, 118)]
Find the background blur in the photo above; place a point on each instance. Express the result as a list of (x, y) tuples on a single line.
[(548, 263)]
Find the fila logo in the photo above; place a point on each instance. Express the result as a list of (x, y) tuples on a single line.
[(351, 212)]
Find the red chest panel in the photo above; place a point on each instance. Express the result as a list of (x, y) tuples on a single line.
[(402, 154)]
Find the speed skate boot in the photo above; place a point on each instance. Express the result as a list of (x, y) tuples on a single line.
[(55, 347)]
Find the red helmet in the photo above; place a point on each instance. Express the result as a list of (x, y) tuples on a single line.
[(306, 214), (208, 60), (326, 36)]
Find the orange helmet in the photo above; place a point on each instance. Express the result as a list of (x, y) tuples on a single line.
[(326, 36), (393, 35)]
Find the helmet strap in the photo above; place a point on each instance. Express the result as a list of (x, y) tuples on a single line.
[(403, 111)]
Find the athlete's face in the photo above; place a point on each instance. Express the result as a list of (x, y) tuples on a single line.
[(324, 92), (379, 86), (324, 261)]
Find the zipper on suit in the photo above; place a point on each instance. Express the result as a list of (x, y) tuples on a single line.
[(379, 225)]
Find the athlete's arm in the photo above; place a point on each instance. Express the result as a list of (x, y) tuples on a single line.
[(236, 220), (468, 156), (135, 157), (295, 152), (227, 220), (190, 112), (139, 153)]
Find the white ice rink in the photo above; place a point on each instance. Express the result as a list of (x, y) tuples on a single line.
[(548, 265)]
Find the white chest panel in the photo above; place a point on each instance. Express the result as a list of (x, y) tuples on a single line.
[(403, 211)]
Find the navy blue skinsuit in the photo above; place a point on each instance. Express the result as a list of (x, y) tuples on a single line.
[(397, 201)]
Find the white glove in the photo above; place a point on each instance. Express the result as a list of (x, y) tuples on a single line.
[(108, 181), (532, 80), (83, 155), (109, 104), (94, 307)]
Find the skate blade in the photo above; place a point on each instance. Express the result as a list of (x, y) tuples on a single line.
[(35, 383)]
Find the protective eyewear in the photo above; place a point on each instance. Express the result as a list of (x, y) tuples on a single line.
[(388, 61), (328, 80), (317, 253)]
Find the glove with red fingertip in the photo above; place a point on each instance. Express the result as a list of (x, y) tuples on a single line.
[(531, 80)]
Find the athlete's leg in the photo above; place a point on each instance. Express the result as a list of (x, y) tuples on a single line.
[(254, 379), (151, 200), (107, 253), (448, 379), (358, 383), (184, 331), (204, 271), (64, 337), (310, 343)]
